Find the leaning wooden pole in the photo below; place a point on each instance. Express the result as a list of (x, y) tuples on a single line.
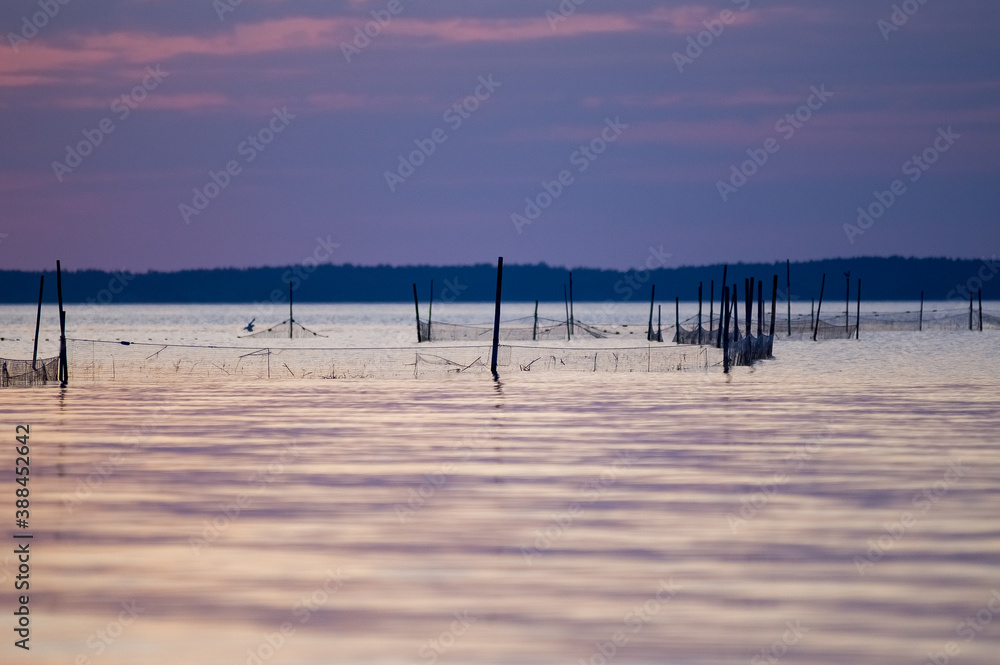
[(534, 329), (659, 323), (774, 301), (724, 329), (822, 285), (724, 303), (700, 285), (566, 301), (920, 325), (416, 307), (38, 321), (496, 318), (788, 293), (857, 314), (63, 361), (649, 331)]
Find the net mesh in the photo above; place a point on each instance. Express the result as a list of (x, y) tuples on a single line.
[(20, 373), (521, 330), (287, 329), (97, 361)]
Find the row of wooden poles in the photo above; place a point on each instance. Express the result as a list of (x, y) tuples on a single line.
[(63, 362)]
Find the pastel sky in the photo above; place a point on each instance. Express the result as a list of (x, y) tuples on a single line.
[(630, 124)]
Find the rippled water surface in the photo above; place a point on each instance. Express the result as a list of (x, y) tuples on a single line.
[(838, 504)]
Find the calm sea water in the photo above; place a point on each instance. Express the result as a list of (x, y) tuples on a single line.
[(838, 504)]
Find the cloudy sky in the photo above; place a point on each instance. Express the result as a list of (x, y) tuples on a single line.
[(166, 134)]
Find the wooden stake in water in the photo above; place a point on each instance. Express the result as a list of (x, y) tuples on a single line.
[(920, 325), (788, 294), (724, 329), (711, 306), (291, 319), (659, 323), (416, 307), (847, 305), (812, 315), (760, 307), (569, 335), (774, 301), (724, 304), (970, 310), (430, 310), (677, 318), (38, 321), (980, 309), (63, 361), (496, 319), (736, 313), (534, 329), (857, 315), (747, 302), (649, 331), (822, 285), (572, 321), (700, 284)]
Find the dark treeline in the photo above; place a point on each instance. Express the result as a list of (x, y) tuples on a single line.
[(893, 278)]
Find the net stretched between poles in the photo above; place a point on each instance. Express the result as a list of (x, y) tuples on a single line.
[(522, 330), (20, 373), (98, 361), (287, 329)]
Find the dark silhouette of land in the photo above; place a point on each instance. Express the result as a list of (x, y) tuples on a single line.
[(893, 278)]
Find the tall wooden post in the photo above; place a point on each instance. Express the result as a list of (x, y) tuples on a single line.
[(812, 315), (711, 307), (724, 303), (534, 329), (724, 328), (649, 331), (291, 319), (920, 325), (416, 307), (569, 336), (970, 310), (736, 314), (774, 301), (980, 309), (63, 361), (857, 316), (38, 321), (430, 310), (822, 285), (677, 318), (572, 321), (496, 319), (659, 323), (700, 284), (788, 294)]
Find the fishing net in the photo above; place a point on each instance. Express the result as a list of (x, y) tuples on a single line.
[(745, 351), (21, 373), (520, 330), (97, 361), (287, 329)]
